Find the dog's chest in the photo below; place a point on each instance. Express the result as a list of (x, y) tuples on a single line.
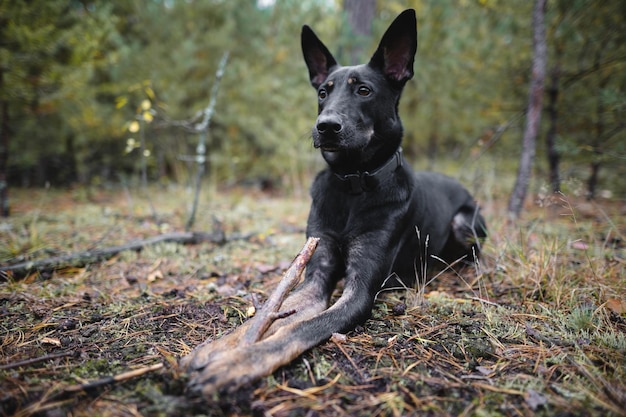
[(343, 214)]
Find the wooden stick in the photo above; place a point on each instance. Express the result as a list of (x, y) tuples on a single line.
[(33, 361), (270, 311), (113, 379)]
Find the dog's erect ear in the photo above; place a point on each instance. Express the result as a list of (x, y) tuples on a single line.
[(396, 51), (317, 57)]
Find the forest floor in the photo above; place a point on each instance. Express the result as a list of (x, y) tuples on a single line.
[(537, 328)]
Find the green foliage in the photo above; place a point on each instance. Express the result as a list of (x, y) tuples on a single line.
[(75, 75), (588, 52)]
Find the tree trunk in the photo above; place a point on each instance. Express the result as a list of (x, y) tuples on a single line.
[(592, 183), (553, 154), (596, 144), (360, 15), (4, 155), (533, 112)]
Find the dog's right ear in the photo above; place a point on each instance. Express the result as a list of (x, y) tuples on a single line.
[(317, 57)]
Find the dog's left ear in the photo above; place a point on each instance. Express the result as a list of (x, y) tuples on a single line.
[(396, 52)]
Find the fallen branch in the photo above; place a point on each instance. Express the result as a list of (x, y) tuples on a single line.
[(33, 361), (113, 379), (270, 311), (555, 341), (80, 259)]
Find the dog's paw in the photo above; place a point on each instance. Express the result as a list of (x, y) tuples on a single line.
[(205, 352), (229, 370)]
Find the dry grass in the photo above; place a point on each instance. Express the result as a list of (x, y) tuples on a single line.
[(538, 327)]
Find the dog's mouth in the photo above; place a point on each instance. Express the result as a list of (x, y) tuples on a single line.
[(327, 147)]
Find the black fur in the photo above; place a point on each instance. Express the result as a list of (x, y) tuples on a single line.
[(374, 215), (395, 223)]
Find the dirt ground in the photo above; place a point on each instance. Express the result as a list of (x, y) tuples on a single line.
[(538, 328)]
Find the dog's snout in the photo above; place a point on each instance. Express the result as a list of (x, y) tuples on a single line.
[(329, 125)]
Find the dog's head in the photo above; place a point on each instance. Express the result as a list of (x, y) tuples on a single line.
[(358, 121)]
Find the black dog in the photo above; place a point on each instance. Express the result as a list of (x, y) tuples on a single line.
[(374, 216)]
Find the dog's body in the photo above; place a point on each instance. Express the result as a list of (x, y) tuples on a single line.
[(374, 216)]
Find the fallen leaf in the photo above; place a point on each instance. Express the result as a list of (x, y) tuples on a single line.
[(51, 341), (534, 399), (153, 276), (580, 245), (616, 306), (338, 338), (226, 290), (264, 268), (484, 370)]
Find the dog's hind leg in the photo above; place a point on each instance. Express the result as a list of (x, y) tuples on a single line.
[(467, 232)]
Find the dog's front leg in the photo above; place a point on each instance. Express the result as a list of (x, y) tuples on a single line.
[(277, 307), (313, 325), (243, 364), (227, 363)]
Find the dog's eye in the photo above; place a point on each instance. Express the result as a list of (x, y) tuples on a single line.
[(364, 91), (322, 94)]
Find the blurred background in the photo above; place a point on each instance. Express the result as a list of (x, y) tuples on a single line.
[(91, 91)]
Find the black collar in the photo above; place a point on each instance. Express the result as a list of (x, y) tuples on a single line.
[(359, 182)]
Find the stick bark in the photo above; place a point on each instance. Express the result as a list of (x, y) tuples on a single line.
[(113, 379), (270, 311)]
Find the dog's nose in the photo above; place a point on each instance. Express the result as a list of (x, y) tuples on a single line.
[(329, 124)]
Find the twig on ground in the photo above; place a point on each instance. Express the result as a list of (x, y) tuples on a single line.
[(556, 341), (270, 311), (113, 379), (33, 361), (338, 339)]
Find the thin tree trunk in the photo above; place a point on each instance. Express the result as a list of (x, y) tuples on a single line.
[(553, 112), (144, 168), (533, 113), (4, 155), (202, 128), (360, 15), (592, 182)]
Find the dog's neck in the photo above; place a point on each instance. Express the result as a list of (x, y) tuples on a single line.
[(359, 182)]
